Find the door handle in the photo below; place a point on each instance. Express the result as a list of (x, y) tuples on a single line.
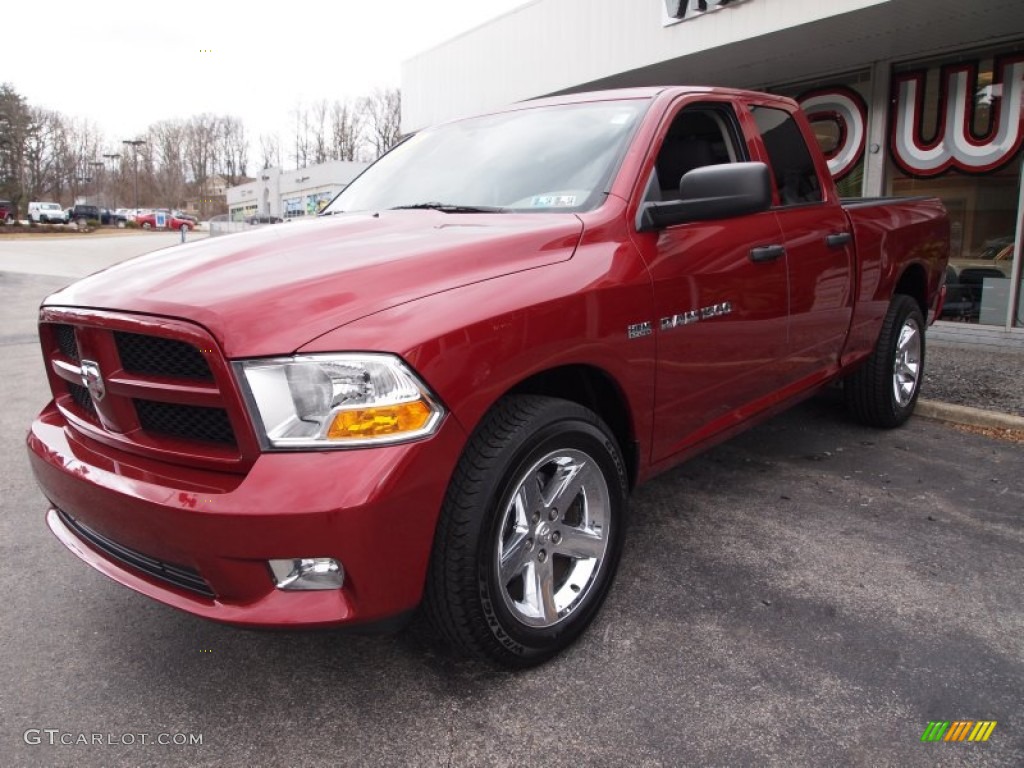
[(767, 253), (838, 239)]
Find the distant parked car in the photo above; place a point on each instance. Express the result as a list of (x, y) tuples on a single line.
[(149, 221), (118, 217), (183, 215), (83, 213), (46, 213), (8, 212), (263, 218)]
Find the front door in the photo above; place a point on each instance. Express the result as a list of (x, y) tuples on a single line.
[(720, 292)]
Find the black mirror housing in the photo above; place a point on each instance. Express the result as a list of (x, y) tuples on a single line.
[(712, 192)]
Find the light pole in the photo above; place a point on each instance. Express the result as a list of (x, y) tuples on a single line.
[(111, 156), (83, 180), (135, 144), (98, 189)]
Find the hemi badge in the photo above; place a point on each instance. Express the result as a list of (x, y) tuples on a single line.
[(639, 330)]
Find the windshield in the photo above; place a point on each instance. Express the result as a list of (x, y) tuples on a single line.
[(557, 158), (51, 206)]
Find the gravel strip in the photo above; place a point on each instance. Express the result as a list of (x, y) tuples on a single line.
[(986, 378)]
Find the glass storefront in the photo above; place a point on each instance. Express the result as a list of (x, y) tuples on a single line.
[(956, 132), (955, 129)]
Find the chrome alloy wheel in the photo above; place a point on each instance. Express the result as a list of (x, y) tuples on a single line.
[(907, 367), (553, 538)]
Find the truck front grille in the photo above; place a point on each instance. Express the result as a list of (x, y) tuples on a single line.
[(186, 421), (66, 340), (167, 392), (155, 356), (179, 576), (82, 399)]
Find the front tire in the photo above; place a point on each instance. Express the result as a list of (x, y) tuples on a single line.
[(530, 532), (883, 392)]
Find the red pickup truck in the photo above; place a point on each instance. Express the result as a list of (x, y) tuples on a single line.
[(439, 393)]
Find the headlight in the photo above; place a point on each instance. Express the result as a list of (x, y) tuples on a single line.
[(337, 401)]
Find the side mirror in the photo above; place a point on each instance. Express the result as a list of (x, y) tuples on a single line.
[(712, 192)]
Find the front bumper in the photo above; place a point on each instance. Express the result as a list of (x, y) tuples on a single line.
[(374, 510)]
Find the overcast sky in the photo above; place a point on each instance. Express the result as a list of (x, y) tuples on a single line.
[(125, 65)]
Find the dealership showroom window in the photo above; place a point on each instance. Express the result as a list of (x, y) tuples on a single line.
[(954, 130)]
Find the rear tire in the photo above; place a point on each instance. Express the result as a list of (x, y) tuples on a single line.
[(530, 533), (883, 392)]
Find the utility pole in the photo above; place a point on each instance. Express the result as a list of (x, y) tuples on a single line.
[(135, 144)]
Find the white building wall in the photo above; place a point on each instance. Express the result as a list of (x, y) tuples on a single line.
[(273, 187), (552, 45)]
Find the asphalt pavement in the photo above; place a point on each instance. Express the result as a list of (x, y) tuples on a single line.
[(810, 593)]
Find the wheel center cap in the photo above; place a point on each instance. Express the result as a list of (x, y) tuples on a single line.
[(543, 531)]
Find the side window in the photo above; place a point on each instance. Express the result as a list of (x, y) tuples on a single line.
[(795, 177), (699, 135)]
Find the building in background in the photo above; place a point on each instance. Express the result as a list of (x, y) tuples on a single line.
[(907, 97), (289, 194), (211, 198)]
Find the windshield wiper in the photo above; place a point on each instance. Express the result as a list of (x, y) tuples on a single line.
[(449, 208)]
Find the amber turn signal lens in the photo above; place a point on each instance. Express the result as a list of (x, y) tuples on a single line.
[(381, 420)]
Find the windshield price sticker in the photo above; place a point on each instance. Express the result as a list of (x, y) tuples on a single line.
[(553, 201)]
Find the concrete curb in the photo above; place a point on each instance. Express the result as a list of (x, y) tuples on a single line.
[(973, 417)]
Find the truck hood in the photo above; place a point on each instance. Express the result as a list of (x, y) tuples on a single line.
[(271, 290)]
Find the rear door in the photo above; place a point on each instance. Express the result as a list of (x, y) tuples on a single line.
[(720, 309), (818, 242)]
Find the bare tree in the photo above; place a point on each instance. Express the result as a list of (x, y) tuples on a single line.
[(270, 150), (201, 147), (319, 138), (40, 169), (149, 191), (383, 112), (346, 130), (78, 145), (169, 140), (233, 150), (302, 142)]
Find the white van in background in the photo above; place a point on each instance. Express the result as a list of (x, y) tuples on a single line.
[(46, 213)]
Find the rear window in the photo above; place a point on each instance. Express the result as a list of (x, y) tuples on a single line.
[(796, 179)]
